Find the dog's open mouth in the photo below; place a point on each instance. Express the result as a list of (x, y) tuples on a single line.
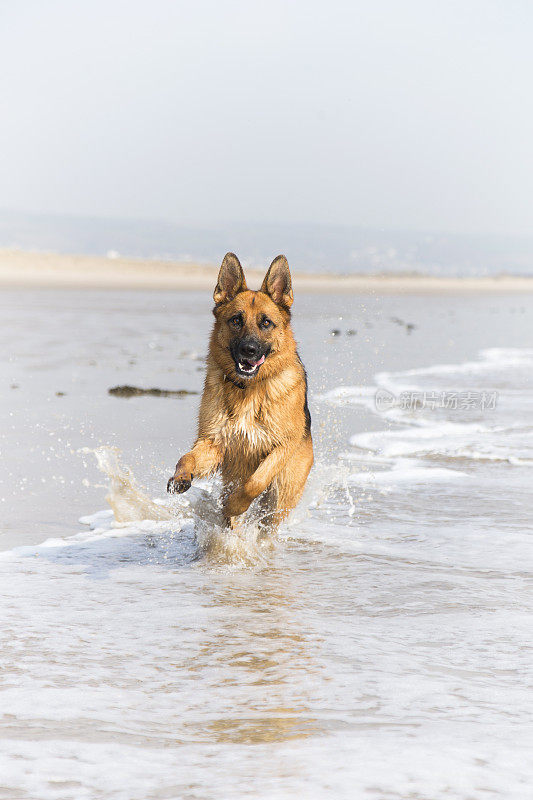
[(248, 367)]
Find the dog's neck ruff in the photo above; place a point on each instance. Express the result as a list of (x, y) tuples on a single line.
[(235, 383)]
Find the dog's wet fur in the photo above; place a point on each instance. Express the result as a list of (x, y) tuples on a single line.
[(254, 424)]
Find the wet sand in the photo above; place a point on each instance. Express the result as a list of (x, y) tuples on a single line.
[(51, 270)]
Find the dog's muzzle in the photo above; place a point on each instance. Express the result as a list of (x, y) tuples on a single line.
[(248, 354)]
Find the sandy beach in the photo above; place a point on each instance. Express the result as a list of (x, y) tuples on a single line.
[(21, 269)]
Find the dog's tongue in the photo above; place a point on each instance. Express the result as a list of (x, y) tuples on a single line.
[(256, 363)]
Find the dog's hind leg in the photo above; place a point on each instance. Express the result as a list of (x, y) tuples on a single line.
[(290, 481)]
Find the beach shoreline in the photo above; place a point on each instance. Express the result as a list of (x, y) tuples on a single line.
[(413, 535), (26, 269)]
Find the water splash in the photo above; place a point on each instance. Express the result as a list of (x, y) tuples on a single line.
[(246, 545), (127, 501)]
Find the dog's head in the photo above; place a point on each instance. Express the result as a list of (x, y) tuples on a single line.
[(252, 330)]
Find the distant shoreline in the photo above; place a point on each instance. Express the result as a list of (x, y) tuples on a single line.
[(25, 269)]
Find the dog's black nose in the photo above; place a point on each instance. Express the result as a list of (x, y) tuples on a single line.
[(249, 348)]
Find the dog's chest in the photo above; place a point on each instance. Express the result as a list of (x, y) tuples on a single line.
[(246, 426)]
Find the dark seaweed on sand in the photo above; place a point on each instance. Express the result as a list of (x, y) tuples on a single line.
[(135, 391)]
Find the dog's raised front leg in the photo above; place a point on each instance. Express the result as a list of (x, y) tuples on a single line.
[(239, 500), (200, 462)]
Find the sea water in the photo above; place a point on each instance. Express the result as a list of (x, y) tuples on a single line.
[(380, 647)]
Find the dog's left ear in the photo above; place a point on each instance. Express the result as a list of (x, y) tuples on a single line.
[(277, 283)]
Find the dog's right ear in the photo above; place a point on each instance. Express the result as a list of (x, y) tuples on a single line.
[(231, 280)]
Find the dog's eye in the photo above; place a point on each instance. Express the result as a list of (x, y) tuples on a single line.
[(266, 323), (236, 320)]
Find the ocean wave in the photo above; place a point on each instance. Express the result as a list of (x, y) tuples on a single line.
[(437, 434)]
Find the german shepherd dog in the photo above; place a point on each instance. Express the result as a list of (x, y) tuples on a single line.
[(254, 424)]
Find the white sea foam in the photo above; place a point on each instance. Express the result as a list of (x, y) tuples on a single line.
[(492, 360), (405, 473), (440, 434), (441, 438)]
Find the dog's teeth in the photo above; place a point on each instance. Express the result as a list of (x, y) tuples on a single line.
[(249, 369)]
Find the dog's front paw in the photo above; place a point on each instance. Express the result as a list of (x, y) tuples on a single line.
[(179, 483)]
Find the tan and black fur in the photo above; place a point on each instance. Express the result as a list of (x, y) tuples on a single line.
[(254, 423)]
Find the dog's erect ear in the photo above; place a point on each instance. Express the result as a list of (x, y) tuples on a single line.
[(277, 283), (231, 280)]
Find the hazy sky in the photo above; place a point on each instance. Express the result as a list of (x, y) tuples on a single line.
[(393, 113)]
